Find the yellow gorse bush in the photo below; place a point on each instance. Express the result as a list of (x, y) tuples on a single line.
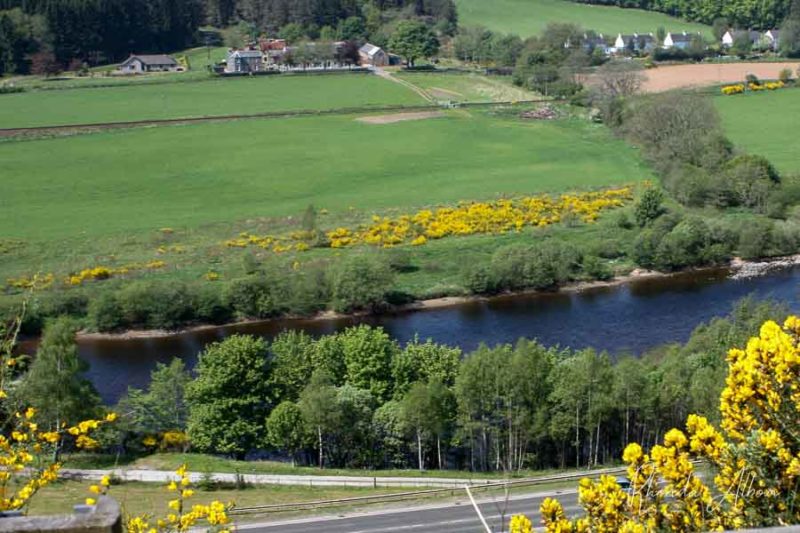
[(755, 457), (733, 89), (467, 218), (24, 446), (98, 273), (180, 516)]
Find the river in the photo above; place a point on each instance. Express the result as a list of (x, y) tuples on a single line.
[(630, 318)]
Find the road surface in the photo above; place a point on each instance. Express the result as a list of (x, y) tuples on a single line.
[(436, 518)]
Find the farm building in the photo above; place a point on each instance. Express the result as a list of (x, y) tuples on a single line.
[(373, 56), (244, 61), (137, 64), (273, 50)]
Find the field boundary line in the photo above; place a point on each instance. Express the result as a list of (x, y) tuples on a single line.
[(91, 127)]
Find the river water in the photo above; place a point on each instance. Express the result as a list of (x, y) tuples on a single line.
[(627, 318)]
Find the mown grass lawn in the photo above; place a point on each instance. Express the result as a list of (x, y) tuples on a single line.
[(209, 97), (530, 17), (764, 124)]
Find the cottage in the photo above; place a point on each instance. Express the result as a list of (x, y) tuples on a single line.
[(244, 61), (772, 38), (138, 64), (731, 36), (636, 43), (680, 41), (273, 50), (372, 56)]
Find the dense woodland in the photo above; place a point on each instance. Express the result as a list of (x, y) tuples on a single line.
[(360, 399), (764, 14), (43, 35)]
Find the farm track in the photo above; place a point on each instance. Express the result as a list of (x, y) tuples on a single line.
[(69, 129)]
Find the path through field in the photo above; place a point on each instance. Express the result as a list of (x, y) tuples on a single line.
[(684, 76)]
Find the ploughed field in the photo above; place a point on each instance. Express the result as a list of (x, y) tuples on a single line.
[(764, 123), (530, 17), (211, 97)]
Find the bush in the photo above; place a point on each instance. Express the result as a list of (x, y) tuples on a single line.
[(786, 237), (649, 207), (596, 268), (255, 296), (755, 239), (105, 313), (751, 178), (360, 282), (156, 305), (521, 266), (478, 279)]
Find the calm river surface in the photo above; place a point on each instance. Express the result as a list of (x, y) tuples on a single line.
[(627, 318)]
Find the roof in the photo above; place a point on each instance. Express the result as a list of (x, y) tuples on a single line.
[(370, 49), (246, 53), (153, 59), (680, 37), (638, 37)]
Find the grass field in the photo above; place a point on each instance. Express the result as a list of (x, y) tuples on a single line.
[(187, 176), (151, 498), (467, 87), (529, 17), (102, 198), (764, 124), (206, 98)]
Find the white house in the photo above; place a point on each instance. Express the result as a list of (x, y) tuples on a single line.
[(731, 35), (137, 64), (677, 40), (636, 43), (772, 37), (244, 61), (373, 56)]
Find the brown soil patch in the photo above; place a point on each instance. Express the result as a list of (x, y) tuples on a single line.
[(438, 92), (400, 117), (684, 76)]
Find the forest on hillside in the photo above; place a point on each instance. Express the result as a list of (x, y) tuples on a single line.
[(37, 34)]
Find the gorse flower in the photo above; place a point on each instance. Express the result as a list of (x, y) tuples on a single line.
[(755, 458)]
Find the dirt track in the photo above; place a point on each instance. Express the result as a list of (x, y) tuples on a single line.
[(683, 76), (399, 117)]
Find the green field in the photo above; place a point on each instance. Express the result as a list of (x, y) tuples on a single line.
[(764, 124), (102, 198), (457, 87), (207, 98), (529, 17), (187, 176)]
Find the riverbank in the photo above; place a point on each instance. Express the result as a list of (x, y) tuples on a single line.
[(740, 268)]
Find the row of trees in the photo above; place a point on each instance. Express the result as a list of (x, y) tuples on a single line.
[(96, 31), (359, 399), (766, 14)]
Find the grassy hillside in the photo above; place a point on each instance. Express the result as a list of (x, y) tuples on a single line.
[(206, 98), (529, 17), (764, 124)]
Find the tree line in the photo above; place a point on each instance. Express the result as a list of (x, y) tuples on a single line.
[(360, 399), (764, 15), (43, 35)]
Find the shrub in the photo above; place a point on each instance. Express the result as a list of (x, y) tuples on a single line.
[(786, 237), (256, 296), (649, 207), (105, 313), (478, 279), (543, 266), (751, 178), (596, 268), (156, 305), (755, 239), (360, 282), (785, 75)]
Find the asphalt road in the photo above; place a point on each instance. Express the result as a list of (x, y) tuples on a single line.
[(451, 517)]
